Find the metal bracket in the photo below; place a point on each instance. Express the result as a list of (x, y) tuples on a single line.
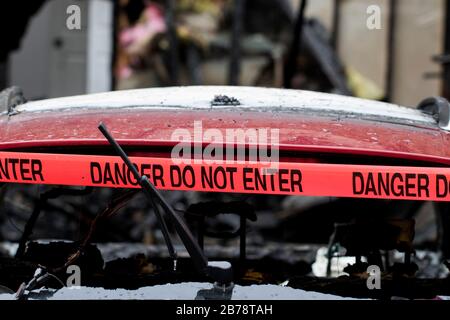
[(10, 98), (439, 108)]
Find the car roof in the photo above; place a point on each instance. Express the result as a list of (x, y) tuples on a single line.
[(248, 98), (307, 121)]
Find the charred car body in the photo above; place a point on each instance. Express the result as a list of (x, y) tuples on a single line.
[(359, 175)]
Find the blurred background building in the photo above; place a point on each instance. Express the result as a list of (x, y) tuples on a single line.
[(128, 44), (390, 50)]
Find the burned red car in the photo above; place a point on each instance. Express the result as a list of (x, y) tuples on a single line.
[(357, 177)]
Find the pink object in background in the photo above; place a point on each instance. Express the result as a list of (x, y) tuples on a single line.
[(152, 24)]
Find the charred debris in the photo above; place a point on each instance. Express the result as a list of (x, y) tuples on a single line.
[(135, 238)]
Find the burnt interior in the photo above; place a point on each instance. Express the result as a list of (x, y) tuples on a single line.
[(113, 236)]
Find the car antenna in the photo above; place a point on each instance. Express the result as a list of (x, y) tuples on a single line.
[(221, 272)]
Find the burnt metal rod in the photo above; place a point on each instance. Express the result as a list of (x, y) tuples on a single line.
[(235, 61), (173, 42), (336, 23), (291, 65), (446, 66), (389, 86), (151, 192)]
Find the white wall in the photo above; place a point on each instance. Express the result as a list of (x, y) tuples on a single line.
[(29, 65), (100, 46), (419, 36), (81, 64)]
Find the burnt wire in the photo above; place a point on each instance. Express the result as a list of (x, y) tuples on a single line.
[(39, 205), (113, 207)]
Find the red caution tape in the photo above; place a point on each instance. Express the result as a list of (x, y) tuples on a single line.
[(358, 181)]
